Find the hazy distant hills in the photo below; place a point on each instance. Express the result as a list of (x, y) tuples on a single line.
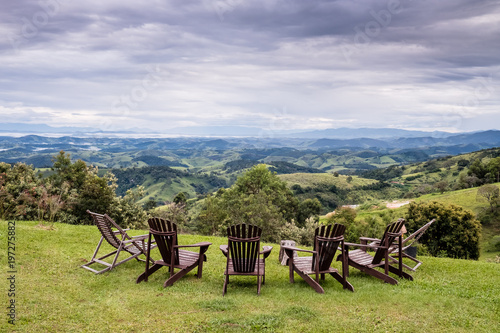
[(465, 142), (40, 128), (234, 131), (372, 133)]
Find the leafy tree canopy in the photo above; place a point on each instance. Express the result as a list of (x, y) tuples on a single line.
[(455, 233)]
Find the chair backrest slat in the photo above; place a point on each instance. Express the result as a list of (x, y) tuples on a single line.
[(105, 225), (165, 234), (244, 244), (326, 241), (392, 231), (414, 237)]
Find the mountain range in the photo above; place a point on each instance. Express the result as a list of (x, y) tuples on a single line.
[(231, 131)]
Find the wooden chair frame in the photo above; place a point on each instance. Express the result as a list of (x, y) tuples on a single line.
[(366, 263), (326, 241), (407, 242), (173, 256), (133, 245), (243, 255)]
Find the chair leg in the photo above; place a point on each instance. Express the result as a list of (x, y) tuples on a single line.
[(401, 273), (200, 267), (290, 271), (259, 280), (226, 281), (345, 283), (170, 281), (310, 281), (373, 272), (151, 270)]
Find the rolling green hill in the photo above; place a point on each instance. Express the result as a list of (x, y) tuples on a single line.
[(468, 198)]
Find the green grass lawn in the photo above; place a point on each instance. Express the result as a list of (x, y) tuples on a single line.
[(54, 295)]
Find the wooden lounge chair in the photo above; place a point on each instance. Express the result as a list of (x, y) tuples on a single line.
[(243, 254), (133, 245), (407, 242), (165, 234), (326, 241), (368, 264)]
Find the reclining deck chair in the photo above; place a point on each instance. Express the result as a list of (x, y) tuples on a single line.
[(165, 234), (366, 263), (407, 242), (326, 241), (243, 254), (133, 245)]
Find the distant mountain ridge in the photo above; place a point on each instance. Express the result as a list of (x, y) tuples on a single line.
[(40, 128), (371, 133), (410, 137)]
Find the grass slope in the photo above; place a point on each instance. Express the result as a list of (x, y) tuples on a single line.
[(468, 199), (327, 179), (54, 295)]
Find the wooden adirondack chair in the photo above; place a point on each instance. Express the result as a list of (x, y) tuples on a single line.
[(407, 242), (165, 234), (133, 245), (367, 263), (326, 241), (243, 254)]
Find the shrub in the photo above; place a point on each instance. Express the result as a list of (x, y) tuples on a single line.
[(455, 233)]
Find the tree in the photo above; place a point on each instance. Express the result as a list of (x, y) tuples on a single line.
[(150, 204), (490, 193), (441, 186), (308, 208), (87, 190), (180, 198), (126, 211), (479, 170), (19, 191), (455, 233), (494, 169), (347, 216), (258, 197), (259, 180)]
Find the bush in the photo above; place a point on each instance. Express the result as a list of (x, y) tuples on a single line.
[(455, 233)]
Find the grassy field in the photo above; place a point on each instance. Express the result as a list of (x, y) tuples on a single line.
[(468, 199), (54, 295), (327, 179)]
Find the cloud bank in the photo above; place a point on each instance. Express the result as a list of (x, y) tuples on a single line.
[(284, 64)]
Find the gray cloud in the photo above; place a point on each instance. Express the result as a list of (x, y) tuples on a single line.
[(308, 64)]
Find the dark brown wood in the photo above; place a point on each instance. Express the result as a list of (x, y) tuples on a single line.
[(133, 245), (165, 235), (407, 242), (368, 264), (327, 239), (243, 254)]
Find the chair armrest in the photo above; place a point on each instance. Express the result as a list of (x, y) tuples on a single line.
[(371, 246), (369, 239), (139, 237), (224, 250), (201, 244), (266, 251), (293, 248), (127, 241)]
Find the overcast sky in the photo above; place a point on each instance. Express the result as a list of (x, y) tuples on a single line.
[(272, 64)]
